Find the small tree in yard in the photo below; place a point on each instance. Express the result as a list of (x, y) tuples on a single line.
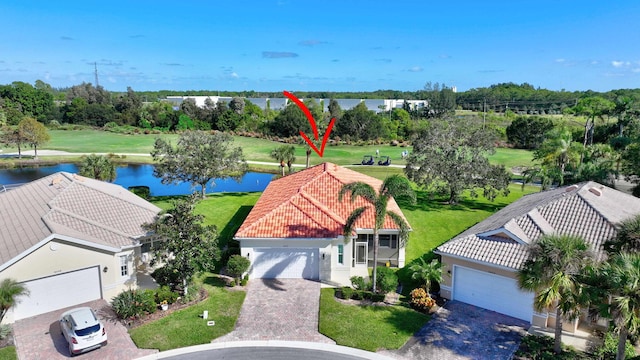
[(185, 245), (34, 133), (10, 290), (426, 272), (237, 266), (198, 158)]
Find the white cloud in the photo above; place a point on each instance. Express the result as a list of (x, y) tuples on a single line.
[(415, 69), (619, 64)]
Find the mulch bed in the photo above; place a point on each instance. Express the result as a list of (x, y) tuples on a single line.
[(133, 323)]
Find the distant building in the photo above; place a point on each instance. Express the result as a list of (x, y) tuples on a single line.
[(377, 105)]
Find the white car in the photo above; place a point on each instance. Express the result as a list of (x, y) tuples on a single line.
[(82, 330)]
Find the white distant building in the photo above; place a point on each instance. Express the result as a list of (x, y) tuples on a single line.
[(377, 105)]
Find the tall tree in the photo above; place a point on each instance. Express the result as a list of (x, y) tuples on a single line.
[(186, 246), (451, 156), (552, 270), (12, 137), (618, 282), (34, 133), (594, 107), (394, 186), (284, 154), (198, 158), (527, 132), (98, 167), (558, 150), (10, 290)]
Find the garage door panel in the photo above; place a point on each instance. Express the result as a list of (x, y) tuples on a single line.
[(493, 292), (285, 264), (59, 291)]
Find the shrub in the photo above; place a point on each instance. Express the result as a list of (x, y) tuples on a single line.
[(164, 293), (377, 297), (54, 124), (238, 265), (386, 280), (358, 295), (142, 191), (132, 303), (5, 330), (358, 283), (421, 300), (347, 292), (245, 280), (609, 347), (193, 292), (165, 276)]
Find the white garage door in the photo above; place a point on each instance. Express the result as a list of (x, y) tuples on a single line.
[(285, 264), (493, 292), (59, 291)]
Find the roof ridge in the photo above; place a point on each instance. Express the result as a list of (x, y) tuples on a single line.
[(323, 207), (80, 180), (85, 219)]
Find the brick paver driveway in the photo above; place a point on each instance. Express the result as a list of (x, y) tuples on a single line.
[(279, 309), (39, 337), (461, 331)]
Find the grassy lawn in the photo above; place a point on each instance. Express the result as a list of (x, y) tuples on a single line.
[(435, 222), (367, 327), (8, 353), (97, 141), (185, 328)]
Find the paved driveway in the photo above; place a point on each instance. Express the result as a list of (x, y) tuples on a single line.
[(279, 309), (39, 337), (461, 331)]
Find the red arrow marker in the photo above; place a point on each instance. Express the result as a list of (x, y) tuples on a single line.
[(312, 122)]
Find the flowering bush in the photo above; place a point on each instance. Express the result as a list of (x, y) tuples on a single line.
[(421, 300)]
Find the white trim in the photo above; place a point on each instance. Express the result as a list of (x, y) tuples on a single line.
[(44, 241), (501, 230), (286, 239), (447, 288), (479, 262)]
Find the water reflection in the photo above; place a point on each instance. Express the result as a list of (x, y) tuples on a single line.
[(141, 175)]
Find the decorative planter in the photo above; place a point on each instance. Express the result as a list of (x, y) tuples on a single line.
[(164, 307)]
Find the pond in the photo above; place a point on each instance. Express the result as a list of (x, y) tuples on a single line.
[(141, 175)]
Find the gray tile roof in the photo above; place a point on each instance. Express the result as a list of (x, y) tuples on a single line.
[(588, 209), (74, 206)]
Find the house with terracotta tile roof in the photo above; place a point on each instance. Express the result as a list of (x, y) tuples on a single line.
[(70, 240), (480, 264), (295, 230)]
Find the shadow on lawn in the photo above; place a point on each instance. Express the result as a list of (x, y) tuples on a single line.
[(429, 201)]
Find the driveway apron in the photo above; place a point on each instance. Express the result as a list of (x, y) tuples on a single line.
[(279, 309), (461, 331), (39, 337)]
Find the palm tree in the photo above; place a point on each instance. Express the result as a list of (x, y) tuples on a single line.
[(622, 275), (393, 186), (552, 270), (98, 167), (10, 290), (284, 154), (545, 173), (558, 150), (426, 272), (627, 238)]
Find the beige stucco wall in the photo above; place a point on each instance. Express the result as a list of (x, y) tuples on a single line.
[(57, 256)]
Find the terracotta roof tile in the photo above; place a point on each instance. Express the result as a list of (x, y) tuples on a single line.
[(306, 205)]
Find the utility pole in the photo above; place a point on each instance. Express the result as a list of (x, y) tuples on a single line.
[(484, 112), (95, 64)]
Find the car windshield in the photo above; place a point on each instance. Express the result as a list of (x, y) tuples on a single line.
[(88, 331)]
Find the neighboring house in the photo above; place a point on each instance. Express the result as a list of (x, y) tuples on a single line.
[(295, 229), (70, 240), (480, 265)]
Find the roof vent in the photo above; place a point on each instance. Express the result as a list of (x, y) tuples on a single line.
[(597, 192), (572, 188)]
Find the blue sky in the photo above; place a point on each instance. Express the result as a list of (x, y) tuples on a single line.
[(276, 45)]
